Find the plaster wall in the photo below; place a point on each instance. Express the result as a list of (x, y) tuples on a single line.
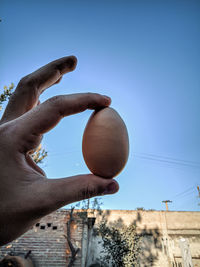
[(161, 231)]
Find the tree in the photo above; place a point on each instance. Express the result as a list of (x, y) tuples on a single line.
[(74, 250), (40, 153), (121, 245), (140, 208), (83, 206), (7, 92)]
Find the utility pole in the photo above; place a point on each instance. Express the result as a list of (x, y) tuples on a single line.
[(166, 201), (198, 194), (198, 190)]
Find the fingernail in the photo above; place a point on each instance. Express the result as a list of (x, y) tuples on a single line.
[(107, 97), (72, 62), (111, 188)]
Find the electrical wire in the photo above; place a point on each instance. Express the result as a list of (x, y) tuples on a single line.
[(184, 192), (189, 162), (145, 156), (168, 161)]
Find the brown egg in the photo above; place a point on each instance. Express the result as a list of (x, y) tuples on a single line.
[(105, 144)]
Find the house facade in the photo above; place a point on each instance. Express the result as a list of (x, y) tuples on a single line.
[(169, 238)]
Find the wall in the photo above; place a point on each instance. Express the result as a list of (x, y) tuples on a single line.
[(161, 231), (47, 242)]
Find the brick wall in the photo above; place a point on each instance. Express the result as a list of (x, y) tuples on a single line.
[(50, 249), (46, 241)]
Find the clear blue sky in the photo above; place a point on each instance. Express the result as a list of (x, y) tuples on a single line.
[(143, 54)]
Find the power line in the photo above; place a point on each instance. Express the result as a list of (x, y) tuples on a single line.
[(187, 194), (186, 197), (146, 156), (184, 192), (171, 158), (192, 200), (163, 160)]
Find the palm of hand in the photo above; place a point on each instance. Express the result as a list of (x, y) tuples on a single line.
[(26, 194)]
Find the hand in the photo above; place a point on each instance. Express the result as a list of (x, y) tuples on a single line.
[(26, 195)]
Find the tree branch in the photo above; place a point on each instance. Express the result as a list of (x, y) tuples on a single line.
[(73, 250)]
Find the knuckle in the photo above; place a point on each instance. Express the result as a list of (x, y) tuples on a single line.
[(55, 68), (89, 190), (26, 86), (12, 138), (7, 128), (56, 104), (54, 101), (92, 96), (7, 131), (28, 81), (29, 143), (23, 80), (88, 95)]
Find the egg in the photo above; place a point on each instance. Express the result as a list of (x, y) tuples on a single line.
[(105, 144)]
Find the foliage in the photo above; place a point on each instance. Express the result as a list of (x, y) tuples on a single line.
[(88, 204), (83, 206), (39, 153), (121, 245), (7, 92), (93, 204), (140, 208)]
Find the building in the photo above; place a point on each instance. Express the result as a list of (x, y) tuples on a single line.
[(169, 238)]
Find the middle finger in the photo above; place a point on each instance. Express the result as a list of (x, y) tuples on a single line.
[(31, 86)]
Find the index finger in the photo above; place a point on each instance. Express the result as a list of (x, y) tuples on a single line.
[(31, 86), (51, 73), (46, 116)]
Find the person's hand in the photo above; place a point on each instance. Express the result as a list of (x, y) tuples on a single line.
[(26, 194)]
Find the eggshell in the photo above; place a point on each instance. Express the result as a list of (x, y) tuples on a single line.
[(105, 144)]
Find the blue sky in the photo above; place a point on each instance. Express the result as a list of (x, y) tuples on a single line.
[(145, 56)]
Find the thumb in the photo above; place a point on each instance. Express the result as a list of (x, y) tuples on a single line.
[(57, 193)]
